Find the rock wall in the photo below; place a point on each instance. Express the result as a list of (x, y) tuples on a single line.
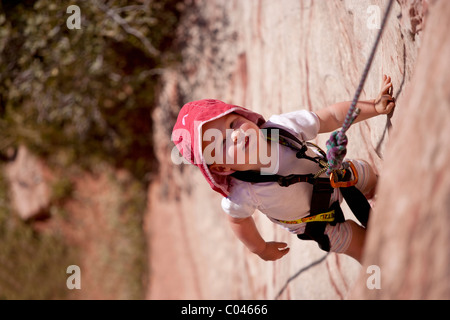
[(409, 238), (272, 57)]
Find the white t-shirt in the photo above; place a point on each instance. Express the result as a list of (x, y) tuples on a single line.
[(276, 202)]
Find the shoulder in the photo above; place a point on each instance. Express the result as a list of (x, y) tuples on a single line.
[(242, 201), (303, 123)]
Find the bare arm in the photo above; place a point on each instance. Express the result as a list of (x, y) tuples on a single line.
[(246, 231), (332, 117)]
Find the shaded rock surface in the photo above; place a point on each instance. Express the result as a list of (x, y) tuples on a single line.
[(29, 185), (409, 237), (272, 57)]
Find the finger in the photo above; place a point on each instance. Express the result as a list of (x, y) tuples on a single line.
[(385, 89), (387, 98), (390, 106), (281, 245), (387, 80), (283, 252)]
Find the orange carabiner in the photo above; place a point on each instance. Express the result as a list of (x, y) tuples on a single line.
[(344, 184)]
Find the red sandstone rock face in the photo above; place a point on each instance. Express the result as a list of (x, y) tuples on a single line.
[(409, 236), (279, 56)]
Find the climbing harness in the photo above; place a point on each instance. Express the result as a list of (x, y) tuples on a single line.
[(326, 216), (334, 179), (321, 213)]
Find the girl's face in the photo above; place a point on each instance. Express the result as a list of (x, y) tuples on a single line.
[(232, 143)]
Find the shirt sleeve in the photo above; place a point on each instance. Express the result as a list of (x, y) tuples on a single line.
[(241, 203), (303, 123)]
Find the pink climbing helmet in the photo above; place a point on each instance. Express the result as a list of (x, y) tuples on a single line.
[(187, 134)]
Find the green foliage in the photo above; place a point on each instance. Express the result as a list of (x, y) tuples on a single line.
[(61, 190), (88, 91), (81, 96), (33, 265)]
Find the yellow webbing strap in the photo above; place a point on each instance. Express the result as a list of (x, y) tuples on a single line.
[(326, 216)]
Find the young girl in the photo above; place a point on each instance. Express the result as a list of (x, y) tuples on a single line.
[(222, 139)]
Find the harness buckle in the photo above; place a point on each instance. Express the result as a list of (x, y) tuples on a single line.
[(334, 179)]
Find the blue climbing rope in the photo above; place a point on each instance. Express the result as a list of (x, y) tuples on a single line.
[(337, 144)]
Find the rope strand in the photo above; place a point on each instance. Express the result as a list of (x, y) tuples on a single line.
[(337, 144)]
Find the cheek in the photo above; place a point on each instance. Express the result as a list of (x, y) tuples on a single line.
[(249, 126), (236, 155), (253, 145), (230, 154), (254, 135)]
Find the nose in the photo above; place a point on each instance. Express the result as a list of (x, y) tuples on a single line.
[(235, 135)]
